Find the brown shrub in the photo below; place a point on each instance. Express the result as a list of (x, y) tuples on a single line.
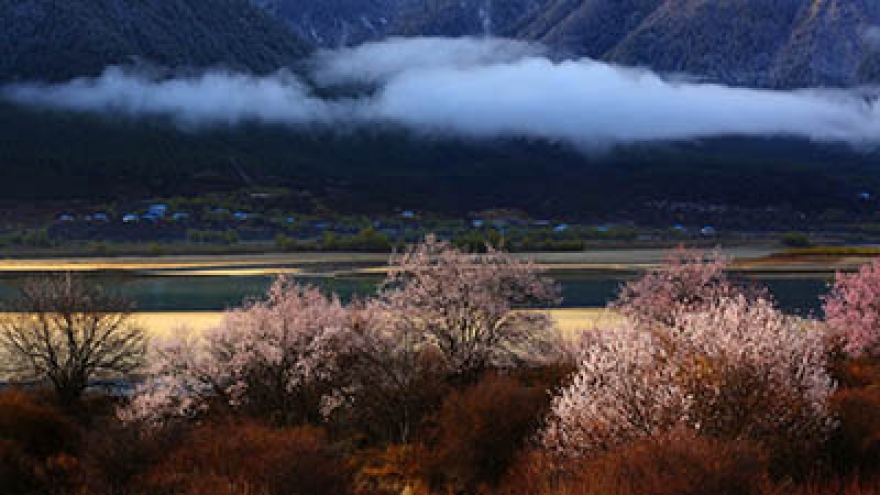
[(40, 429), (251, 459), (856, 443), (116, 456), (837, 486), (36, 446), (857, 373), (479, 431), (677, 464), (393, 470)]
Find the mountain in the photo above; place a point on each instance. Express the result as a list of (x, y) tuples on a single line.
[(333, 23), (766, 43), (464, 17), (60, 39), (778, 43)]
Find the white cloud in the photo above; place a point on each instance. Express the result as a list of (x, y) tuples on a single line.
[(477, 88), (378, 62)]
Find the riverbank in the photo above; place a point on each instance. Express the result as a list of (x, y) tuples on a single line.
[(748, 258), (164, 324)]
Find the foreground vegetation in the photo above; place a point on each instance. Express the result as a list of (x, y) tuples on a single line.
[(439, 384)]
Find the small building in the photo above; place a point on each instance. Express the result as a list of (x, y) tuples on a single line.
[(180, 216), (130, 218), (101, 217), (290, 220), (66, 218), (241, 216), (708, 231), (563, 227), (478, 224), (158, 210), (409, 214)]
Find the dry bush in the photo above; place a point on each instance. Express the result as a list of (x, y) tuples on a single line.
[(394, 470), (480, 430), (863, 372), (837, 486), (40, 428), (680, 463), (251, 459), (36, 446), (116, 456), (856, 443)]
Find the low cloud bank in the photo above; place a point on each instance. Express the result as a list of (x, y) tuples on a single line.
[(375, 63), (474, 88)]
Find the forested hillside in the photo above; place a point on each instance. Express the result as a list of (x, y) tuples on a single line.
[(57, 40)]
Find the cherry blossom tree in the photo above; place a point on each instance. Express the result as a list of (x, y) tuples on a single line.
[(737, 369), (393, 377), (687, 281), (465, 305), (852, 311), (277, 356)]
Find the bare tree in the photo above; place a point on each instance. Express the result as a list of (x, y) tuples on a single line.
[(66, 331)]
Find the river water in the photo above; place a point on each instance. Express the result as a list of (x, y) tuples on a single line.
[(795, 294)]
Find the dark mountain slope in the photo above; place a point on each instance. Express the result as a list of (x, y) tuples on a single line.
[(465, 17), (770, 43), (833, 42), (60, 39), (735, 41), (47, 155), (587, 27), (333, 23)]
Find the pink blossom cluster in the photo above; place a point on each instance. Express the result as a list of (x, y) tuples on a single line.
[(270, 351), (687, 281), (463, 305), (852, 310), (441, 311), (734, 369)]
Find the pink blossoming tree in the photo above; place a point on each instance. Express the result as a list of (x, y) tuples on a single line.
[(463, 305), (393, 376), (737, 369), (852, 311), (687, 281), (278, 356)]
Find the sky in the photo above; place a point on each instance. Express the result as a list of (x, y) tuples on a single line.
[(469, 87)]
